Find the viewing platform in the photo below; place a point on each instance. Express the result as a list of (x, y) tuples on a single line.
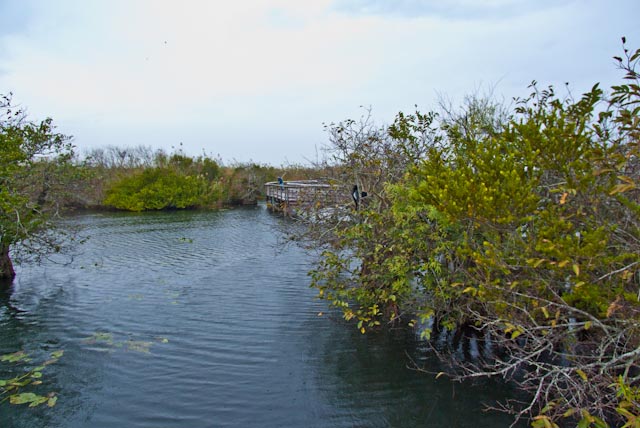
[(289, 196)]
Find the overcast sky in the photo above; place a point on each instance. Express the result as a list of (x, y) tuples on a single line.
[(256, 79)]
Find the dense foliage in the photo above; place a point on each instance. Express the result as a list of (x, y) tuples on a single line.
[(141, 178), (521, 225), (177, 184), (27, 205)]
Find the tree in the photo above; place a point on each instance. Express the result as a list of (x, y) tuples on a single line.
[(530, 236), (360, 270), (523, 227), (26, 211)]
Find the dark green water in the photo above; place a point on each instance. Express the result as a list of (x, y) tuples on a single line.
[(202, 320)]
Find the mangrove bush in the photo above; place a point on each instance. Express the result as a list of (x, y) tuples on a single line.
[(522, 225)]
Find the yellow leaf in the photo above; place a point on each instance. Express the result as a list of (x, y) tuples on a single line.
[(602, 171), (545, 312), (576, 269), (620, 188), (627, 414), (563, 199), (362, 330), (538, 263), (587, 325), (582, 374), (471, 290), (626, 179), (542, 421), (515, 334)]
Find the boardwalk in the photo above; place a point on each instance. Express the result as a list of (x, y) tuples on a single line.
[(291, 196)]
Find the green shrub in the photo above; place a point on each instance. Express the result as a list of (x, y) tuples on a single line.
[(161, 188)]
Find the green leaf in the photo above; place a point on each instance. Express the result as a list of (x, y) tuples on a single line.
[(15, 357), (139, 346), (24, 398), (584, 423), (57, 354), (52, 401), (40, 400)]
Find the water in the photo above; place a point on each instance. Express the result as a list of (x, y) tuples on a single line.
[(201, 319)]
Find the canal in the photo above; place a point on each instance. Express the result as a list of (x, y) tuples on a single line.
[(203, 319)]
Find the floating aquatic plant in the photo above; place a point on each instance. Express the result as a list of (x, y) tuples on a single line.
[(128, 345), (13, 389)]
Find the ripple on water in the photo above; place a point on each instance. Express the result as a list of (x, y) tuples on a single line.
[(196, 319)]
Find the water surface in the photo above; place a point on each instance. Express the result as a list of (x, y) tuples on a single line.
[(202, 319)]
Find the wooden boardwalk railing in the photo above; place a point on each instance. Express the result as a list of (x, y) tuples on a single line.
[(289, 196)]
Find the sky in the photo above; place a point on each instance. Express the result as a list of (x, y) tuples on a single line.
[(255, 80)]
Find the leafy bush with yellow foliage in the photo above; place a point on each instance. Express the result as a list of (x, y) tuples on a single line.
[(525, 227)]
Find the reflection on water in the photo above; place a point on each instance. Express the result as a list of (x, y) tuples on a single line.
[(190, 319)]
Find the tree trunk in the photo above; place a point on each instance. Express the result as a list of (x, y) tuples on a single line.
[(6, 266)]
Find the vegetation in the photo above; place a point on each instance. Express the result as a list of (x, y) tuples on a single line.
[(26, 204), (139, 179), (177, 184), (13, 389), (41, 176), (520, 225)]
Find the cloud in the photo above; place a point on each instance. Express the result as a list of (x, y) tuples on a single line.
[(184, 54), (256, 79), (450, 9)]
